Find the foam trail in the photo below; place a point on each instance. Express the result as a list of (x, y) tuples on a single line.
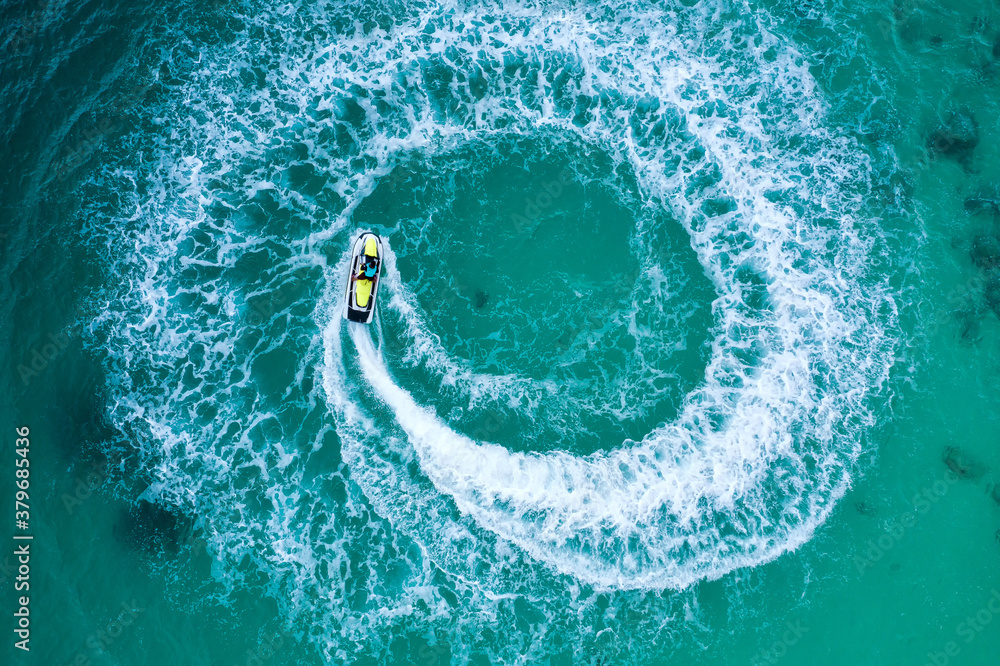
[(363, 507), (551, 504)]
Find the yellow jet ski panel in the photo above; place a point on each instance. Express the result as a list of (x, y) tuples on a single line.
[(362, 291)]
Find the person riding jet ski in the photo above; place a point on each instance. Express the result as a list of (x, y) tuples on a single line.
[(368, 270)]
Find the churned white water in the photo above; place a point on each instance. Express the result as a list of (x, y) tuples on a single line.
[(250, 389)]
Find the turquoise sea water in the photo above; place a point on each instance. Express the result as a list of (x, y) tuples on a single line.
[(687, 351)]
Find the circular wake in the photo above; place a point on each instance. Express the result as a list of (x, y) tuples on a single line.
[(761, 450), (694, 406)]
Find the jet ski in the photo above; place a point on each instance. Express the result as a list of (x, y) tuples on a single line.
[(363, 279)]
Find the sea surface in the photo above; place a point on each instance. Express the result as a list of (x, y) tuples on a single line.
[(687, 348)]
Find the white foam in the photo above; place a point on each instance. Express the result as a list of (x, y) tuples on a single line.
[(731, 482), (759, 452)]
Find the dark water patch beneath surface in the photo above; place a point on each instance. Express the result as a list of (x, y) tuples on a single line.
[(151, 527)]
